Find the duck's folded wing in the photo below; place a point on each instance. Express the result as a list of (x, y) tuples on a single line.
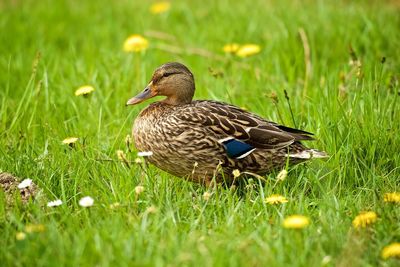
[(240, 129)]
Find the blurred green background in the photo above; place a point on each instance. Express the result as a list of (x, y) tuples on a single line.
[(345, 91)]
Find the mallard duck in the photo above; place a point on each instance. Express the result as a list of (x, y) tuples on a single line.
[(203, 139)]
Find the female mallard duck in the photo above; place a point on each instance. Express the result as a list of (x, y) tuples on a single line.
[(191, 139)]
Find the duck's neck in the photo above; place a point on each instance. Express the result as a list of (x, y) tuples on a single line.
[(175, 101), (181, 93)]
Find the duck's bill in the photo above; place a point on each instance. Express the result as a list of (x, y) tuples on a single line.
[(145, 94)]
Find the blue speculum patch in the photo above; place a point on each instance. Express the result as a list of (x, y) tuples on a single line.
[(235, 148)]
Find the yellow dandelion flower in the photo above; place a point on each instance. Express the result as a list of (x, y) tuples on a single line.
[(121, 155), (135, 43), (282, 175), (84, 90), (151, 209), (326, 260), (248, 50), (231, 48), (206, 196), (160, 7), (138, 161), (364, 219), (139, 189), (35, 228), (276, 199), (236, 173), (128, 141), (391, 251), (70, 140), (296, 222), (392, 197), (20, 236), (115, 205)]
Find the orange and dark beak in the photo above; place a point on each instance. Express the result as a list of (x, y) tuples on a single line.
[(145, 94)]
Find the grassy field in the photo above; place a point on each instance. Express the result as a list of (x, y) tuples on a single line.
[(339, 62)]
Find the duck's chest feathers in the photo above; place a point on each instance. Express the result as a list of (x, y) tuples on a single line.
[(155, 128)]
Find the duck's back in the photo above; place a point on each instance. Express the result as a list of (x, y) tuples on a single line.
[(196, 139)]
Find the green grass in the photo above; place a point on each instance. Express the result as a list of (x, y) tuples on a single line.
[(50, 48)]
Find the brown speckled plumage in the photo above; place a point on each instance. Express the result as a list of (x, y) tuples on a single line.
[(187, 137)]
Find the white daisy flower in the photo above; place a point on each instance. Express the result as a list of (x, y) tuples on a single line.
[(86, 202), (54, 203), (25, 183), (145, 154)]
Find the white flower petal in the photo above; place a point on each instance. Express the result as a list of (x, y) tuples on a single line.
[(54, 203), (25, 183), (86, 202), (145, 154)]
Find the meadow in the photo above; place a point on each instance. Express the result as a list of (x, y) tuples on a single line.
[(337, 61)]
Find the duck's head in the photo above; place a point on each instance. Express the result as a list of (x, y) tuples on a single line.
[(173, 80)]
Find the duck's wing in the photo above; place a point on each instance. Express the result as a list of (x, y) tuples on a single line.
[(240, 131)]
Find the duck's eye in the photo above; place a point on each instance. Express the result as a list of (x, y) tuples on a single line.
[(167, 74)]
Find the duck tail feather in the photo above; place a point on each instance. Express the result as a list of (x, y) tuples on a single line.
[(309, 154)]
